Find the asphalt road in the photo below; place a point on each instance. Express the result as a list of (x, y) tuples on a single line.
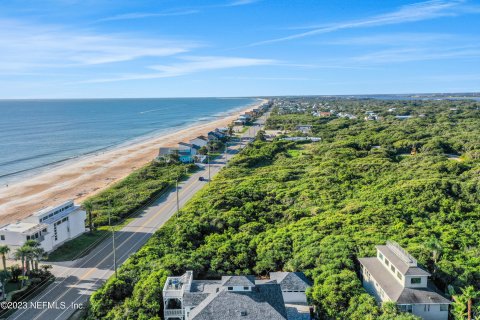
[(74, 284)]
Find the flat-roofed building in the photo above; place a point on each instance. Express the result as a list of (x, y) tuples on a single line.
[(50, 227), (394, 275)]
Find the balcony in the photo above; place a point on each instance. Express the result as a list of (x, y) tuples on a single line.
[(173, 313)]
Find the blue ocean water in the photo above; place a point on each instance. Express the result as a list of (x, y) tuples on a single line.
[(35, 134)]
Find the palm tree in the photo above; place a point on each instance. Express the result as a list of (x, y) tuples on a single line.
[(4, 250), (88, 206), (31, 245), (435, 247), (464, 303), (21, 254), (38, 253)]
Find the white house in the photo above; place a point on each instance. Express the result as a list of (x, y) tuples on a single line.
[(50, 226), (304, 128), (200, 141), (235, 297), (394, 275)]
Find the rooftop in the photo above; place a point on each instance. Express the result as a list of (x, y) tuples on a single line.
[(395, 291), (291, 281), (23, 227), (265, 302), (401, 259)]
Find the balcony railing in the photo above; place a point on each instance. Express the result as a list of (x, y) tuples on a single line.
[(173, 313)]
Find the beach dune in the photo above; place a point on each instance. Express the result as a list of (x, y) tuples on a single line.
[(84, 177)]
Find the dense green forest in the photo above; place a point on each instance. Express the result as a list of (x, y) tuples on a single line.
[(316, 207), (136, 190)]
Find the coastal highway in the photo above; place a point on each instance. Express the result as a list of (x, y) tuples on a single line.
[(76, 282)]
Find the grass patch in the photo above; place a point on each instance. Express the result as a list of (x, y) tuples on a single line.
[(294, 153), (78, 247)]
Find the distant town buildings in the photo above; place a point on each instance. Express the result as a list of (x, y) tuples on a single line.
[(236, 297), (50, 227), (394, 275)]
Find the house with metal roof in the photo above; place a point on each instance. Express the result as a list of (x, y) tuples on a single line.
[(394, 275), (231, 298)]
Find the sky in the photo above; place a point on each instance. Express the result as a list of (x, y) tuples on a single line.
[(206, 48)]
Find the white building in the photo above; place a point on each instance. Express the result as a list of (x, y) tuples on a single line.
[(394, 275), (50, 227), (236, 297)]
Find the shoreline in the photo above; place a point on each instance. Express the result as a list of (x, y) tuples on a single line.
[(89, 174)]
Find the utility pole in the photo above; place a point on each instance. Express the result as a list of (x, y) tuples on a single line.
[(178, 202), (208, 160), (113, 242)]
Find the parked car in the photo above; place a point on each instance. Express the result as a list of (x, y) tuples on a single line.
[(201, 179)]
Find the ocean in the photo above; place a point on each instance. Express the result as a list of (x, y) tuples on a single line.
[(38, 134)]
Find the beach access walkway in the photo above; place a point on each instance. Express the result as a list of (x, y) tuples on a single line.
[(76, 282)]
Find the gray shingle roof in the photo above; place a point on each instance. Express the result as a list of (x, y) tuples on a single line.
[(238, 281), (403, 267), (395, 291), (264, 302), (291, 281)]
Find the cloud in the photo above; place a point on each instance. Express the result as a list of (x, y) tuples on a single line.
[(394, 39), (418, 54), (31, 46), (142, 15), (241, 2), (190, 65), (408, 13)]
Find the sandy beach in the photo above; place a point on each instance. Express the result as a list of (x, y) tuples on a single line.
[(84, 177)]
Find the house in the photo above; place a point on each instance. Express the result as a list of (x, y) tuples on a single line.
[(304, 128), (325, 114), (215, 135), (233, 297), (50, 227), (200, 141), (184, 153), (394, 275), (239, 122), (293, 285)]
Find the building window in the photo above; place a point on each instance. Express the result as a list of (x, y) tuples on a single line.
[(28, 238), (392, 268), (444, 307), (416, 280), (399, 275), (230, 288), (246, 288), (387, 262), (380, 255), (2, 237)]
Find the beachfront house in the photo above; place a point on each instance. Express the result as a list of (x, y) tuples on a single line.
[(216, 135), (200, 141), (183, 154), (50, 227), (236, 298), (394, 275)]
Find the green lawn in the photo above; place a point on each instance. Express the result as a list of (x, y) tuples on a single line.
[(78, 247)]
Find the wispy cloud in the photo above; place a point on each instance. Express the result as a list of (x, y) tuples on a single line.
[(409, 13), (190, 65), (142, 15), (241, 2), (394, 39), (31, 46), (418, 54)]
